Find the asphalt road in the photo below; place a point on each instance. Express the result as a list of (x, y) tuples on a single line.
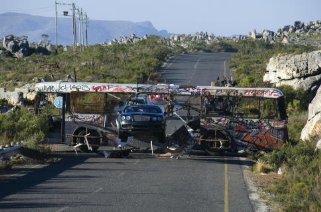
[(91, 182), (141, 183), (196, 69)]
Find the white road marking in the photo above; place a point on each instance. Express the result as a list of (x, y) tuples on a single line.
[(196, 64), (97, 190), (137, 161), (195, 69), (62, 209)]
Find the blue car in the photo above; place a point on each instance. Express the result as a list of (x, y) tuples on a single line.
[(141, 119)]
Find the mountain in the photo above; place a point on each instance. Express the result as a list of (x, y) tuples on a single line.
[(98, 31)]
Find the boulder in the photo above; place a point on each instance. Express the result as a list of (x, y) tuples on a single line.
[(268, 36), (43, 48), (5, 53), (299, 71), (312, 129), (17, 46), (14, 97)]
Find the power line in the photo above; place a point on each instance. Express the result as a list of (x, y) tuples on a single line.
[(81, 16)]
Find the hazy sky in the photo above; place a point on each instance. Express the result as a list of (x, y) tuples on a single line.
[(221, 17)]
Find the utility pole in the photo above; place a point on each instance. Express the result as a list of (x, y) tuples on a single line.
[(86, 32), (56, 20), (82, 30), (74, 26), (79, 27), (65, 14), (81, 36)]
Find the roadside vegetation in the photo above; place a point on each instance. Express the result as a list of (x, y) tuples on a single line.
[(300, 187), (124, 63), (21, 125)]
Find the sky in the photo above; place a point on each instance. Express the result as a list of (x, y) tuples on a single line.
[(220, 17)]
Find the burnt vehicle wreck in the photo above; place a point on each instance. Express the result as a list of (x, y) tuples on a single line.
[(217, 118), (241, 118)]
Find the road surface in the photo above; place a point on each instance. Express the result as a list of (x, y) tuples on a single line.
[(91, 182), (196, 69)]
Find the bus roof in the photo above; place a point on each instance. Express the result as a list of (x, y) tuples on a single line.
[(68, 87)]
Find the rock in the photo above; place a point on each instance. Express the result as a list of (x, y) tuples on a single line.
[(268, 36), (285, 40), (312, 129), (5, 53), (43, 48), (318, 146), (253, 34), (280, 171), (298, 71), (14, 97), (17, 46), (290, 33)]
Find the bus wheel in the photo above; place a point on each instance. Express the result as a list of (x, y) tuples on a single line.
[(93, 140)]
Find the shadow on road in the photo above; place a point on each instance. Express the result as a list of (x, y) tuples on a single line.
[(15, 184)]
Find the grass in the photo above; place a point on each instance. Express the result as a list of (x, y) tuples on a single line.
[(300, 189)]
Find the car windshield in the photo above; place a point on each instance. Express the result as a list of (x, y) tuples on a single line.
[(142, 108), (136, 101)]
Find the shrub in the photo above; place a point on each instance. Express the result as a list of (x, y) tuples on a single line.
[(22, 125), (300, 189)]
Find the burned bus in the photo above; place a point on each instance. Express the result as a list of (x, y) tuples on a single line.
[(232, 118), (224, 118)]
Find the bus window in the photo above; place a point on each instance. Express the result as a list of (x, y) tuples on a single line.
[(87, 102)]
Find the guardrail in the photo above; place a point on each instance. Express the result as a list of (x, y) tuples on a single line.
[(10, 150)]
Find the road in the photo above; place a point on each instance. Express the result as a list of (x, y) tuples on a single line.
[(196, 69), (91, 182)]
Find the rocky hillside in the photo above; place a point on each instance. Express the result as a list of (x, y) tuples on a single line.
[(312, 129), (98, 31), (299, 71), (299, 33)]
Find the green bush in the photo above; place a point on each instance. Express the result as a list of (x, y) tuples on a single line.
[(300, 189), (296, 100), (21, 125)]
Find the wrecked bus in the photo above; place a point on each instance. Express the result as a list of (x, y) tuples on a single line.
[(251, 118), (224, 118)]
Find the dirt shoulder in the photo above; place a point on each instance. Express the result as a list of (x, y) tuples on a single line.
[(256, 184)]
